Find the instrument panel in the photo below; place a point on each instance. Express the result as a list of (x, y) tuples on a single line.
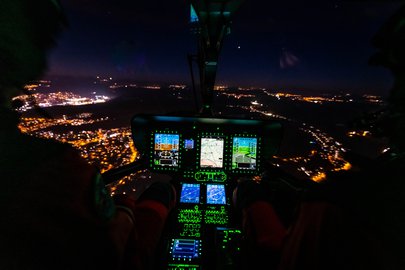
[(205, 149), (205, 156)]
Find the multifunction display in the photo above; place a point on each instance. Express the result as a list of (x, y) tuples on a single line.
[(244, 153), (216, 194), (212, 153), (190, 193), (166, 150)]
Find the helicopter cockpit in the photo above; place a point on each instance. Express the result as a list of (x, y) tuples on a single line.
[(207, 154), (204, 155)]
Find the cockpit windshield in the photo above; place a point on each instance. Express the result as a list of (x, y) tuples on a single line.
[(303, 64)]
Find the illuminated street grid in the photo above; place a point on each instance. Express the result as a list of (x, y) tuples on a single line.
[(104, 148), (58, 99), (341, 98), (114, 147), (327, 153), (325, 157)]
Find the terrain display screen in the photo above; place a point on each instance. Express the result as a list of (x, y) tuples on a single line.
[(244, 152), (166, 152), (216, 194), (212, 153), (190, 193)]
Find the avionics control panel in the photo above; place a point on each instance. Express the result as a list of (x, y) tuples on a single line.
[(205, 156), (205, 149)]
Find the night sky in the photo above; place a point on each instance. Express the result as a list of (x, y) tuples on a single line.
[(309, 45)]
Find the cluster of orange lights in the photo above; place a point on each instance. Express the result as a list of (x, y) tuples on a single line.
[(360, 133)]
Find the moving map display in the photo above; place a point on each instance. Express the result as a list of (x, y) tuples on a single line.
[(244, 153), (166, 152), (212, 153)]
